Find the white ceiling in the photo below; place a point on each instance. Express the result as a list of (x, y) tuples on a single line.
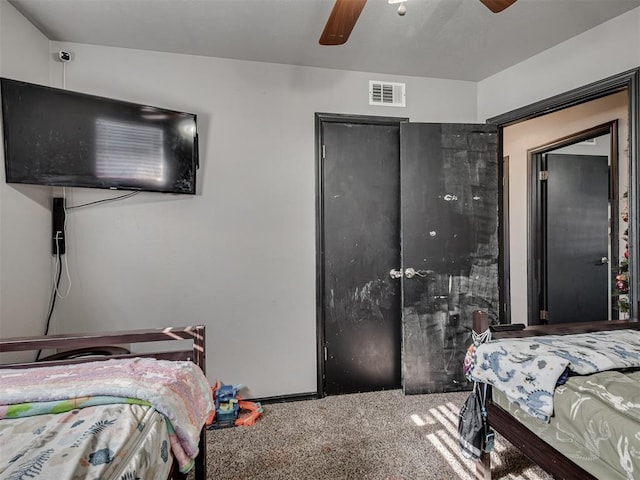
[(452, 39)]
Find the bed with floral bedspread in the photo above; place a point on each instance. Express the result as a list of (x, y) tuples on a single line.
[(109, 419)]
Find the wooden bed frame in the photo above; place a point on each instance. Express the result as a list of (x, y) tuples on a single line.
[(538, 451), (81, 344)]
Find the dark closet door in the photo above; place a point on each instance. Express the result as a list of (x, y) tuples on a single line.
[(449, 228), (360, 196), (576, 278)]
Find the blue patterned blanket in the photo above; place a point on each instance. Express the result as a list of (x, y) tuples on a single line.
[(527, 370)]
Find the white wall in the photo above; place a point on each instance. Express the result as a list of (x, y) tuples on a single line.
[(25, 218), (601, 52), (238, 257)]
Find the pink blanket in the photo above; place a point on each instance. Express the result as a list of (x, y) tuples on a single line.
[(178, 390)]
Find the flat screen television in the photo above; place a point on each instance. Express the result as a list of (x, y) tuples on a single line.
[(59, 137)]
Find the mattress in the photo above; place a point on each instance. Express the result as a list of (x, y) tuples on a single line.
[(117, 441), (596, 422)]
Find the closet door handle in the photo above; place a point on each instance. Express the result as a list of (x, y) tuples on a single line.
[(395, 273), (412, 272)]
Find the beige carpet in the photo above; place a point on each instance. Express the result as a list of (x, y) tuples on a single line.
[(365, 436)]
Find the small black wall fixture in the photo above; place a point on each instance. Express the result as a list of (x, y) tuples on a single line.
[(57, 227)]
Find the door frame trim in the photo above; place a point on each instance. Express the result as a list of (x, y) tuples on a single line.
[(504, 254), (534, 242), (629, 80), (320, 120)]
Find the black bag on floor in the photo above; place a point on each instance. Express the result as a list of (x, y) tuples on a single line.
[(474, 434)]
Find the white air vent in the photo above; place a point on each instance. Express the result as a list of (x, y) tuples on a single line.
[(387, 93)]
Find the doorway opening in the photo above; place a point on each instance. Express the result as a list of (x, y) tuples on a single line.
[(518, 281), (574, 216)]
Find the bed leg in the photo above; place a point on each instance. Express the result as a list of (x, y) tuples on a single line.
[(201, 459), (483, 467)]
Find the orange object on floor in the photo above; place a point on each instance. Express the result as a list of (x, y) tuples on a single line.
[(255, 410)]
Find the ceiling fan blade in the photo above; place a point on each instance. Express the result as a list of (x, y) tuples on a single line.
[(341, 21), (497, 6)]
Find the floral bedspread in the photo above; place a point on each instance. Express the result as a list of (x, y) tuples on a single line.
[(105, 442), (178, 390), (527, 370)]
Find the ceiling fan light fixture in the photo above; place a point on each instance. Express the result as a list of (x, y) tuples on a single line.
[(402, 9)]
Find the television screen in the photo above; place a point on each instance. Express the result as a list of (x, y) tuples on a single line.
[(58, 137)]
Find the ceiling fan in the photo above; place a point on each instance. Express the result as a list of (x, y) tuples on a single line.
[(345, 13)]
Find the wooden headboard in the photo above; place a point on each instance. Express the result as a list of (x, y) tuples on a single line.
[(480, 324), (195, 354)]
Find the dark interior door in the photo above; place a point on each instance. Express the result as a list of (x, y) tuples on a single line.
[(360, 180), (449, 200), (576, 277)]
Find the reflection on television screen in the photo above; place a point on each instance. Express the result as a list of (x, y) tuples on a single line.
[(126, 150)]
